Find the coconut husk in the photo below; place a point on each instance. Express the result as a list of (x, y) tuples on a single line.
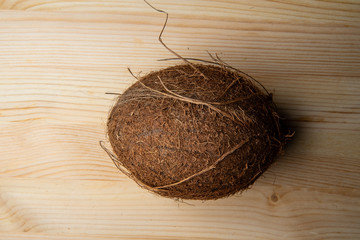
[(195, 131)]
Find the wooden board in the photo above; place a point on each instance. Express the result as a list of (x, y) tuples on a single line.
[(58, 58)]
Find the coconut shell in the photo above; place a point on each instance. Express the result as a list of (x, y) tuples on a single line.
[(195, 131)]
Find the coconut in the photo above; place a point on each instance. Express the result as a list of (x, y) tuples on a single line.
[(195, 131)]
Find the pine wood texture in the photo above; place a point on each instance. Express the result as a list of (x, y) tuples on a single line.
[(58, 58)]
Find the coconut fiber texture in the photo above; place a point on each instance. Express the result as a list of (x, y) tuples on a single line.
[(194, 131)]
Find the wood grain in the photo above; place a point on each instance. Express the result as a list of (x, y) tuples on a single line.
[(120, 208), (58, 58)]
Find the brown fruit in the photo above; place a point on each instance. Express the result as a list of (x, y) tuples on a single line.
[(195, 131)]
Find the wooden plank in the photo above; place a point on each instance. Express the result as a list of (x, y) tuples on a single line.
[(58, 58), (116, 208)]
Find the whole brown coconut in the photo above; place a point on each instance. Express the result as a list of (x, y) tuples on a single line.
[(195, 131)]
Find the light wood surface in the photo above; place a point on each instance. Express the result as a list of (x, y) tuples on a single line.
[(58, 58)]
